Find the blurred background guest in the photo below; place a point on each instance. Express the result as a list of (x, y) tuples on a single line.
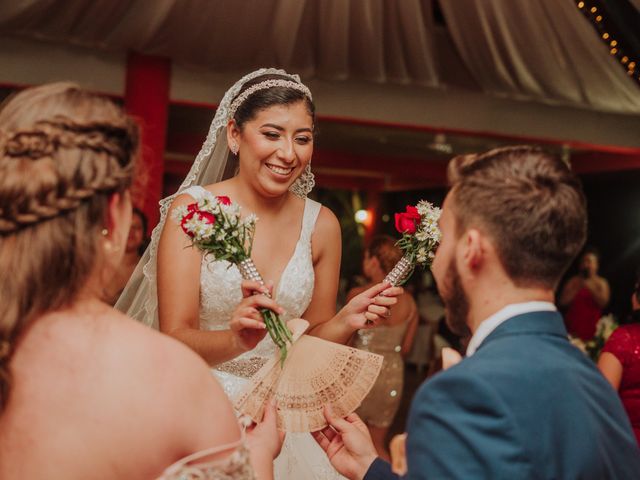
[(392, 339), (584, 296), (136, 243), (620, 361)]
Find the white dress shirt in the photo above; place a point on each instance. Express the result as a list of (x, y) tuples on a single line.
[(490, 324)]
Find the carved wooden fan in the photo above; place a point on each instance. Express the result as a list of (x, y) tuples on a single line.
[(316, 373)]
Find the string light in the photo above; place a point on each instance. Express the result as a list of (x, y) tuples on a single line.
[(606, 29)]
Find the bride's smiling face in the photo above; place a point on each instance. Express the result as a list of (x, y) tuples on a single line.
[(274, 147)]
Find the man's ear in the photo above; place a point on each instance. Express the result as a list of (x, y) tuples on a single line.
[(474, 249)]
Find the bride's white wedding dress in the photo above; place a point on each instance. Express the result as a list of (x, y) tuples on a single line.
[(301, 457)]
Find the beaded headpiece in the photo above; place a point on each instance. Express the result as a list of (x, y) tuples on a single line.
[(263, 86)]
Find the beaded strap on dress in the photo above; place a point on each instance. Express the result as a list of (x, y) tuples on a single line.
[(236, 466)]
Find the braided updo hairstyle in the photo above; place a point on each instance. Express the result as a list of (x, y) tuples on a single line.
[(63, 153)]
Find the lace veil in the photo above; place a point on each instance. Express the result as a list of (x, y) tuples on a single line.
[(139, 299)]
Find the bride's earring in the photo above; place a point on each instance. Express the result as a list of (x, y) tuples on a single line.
[(235, 149), (304, 183)]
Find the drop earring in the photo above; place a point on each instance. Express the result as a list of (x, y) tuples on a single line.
[(304, 183)]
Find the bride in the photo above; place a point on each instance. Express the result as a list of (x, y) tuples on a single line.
[(258, 153)]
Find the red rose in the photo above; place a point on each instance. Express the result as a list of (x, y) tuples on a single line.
[(206, 217), (224, 200), (186, 218), (192, 207), (412, 212), (405, 223)]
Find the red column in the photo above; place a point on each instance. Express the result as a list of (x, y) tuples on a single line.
[(147, 98)]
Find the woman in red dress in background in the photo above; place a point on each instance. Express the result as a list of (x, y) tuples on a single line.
[(584, 296), (620, 363)]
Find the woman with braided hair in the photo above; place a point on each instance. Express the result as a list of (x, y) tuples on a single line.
[(86, 392)]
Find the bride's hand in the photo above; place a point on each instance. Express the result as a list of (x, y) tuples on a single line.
[(246, 323), (370, 307)]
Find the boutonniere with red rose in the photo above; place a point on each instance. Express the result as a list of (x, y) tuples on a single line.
[(420, 237), (215, 226)]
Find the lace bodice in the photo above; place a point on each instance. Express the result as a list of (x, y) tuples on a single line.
[(220, 290), (235, 464)]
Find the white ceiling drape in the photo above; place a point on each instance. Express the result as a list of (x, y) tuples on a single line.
[(378, 40), (543, 50)]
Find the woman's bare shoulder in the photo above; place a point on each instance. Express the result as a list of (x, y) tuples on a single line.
[(151, 349), (162, 373), (327, 224)]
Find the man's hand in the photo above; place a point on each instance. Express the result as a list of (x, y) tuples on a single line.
[(348, 444)]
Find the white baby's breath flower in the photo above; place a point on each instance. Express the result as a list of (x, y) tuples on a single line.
[(231, 210), (421, 235), (192, 224), (179, 212), (423, 207), (250, 219)]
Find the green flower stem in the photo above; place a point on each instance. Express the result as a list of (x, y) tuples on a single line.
[(278, 331)]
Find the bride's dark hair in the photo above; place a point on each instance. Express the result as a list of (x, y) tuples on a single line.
[(63, 152), (269, 97)]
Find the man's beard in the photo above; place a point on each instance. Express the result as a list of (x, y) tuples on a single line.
[(456, 302)]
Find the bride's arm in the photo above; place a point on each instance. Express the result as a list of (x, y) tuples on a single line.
[(321, 314), (326, 245), (179, 297)]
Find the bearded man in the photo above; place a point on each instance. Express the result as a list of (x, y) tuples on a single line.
[(524, 403)]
